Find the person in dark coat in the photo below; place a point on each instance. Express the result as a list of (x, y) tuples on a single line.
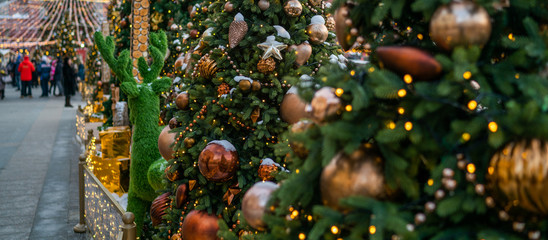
[(58, 77), (45, 70), (2, 83), (34, 80), (16, 73), (69, 80)]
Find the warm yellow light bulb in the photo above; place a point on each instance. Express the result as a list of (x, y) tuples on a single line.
[(352, 73), (467, 75), (408, 126), (401, 110), (493, 127), (294, 214), (466, 136), (419, 36), (471, 168), (372, 229), (407, 79), (430, 182), (472, 105), (402, 93), (371, 69), (339, 92), (335, 230), (302, 236), (348, 108), (391, 125)]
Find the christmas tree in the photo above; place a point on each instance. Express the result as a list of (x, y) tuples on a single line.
[(230, 108), (65, 36), (441, 135)]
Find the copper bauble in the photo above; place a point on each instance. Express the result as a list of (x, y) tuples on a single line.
[(165, 140), (194, 33), (325, 104), (293, 8), (460, 23), (172, 175), (358, 174), (518, 177), (181, 194), (229, 7), (298, 148), (266, 169), (341, 29), (173, 123), (264, 4), (266, 65), (317, 33), (218, 161), (158, 208), (255, 86), (223, 89), (293, 107), (182, 100), (303, 52), (244, 84), (254, 203), (198, 225), (189, 142), (408, 60)]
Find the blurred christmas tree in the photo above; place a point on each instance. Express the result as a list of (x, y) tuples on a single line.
[(65, 36), (442, 135), (226, 114)]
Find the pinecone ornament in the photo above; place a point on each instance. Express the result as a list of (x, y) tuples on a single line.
[(266, 65), (237, 30)]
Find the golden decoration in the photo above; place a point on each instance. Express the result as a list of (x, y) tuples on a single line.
[(330, 22), (181, 101), (158, 208), (317, 33), (189, 142), (315, 3), (325, 104), (358, 174), (518, 177), (218, 161), (231, 193), (298, 148), (292, 108), (244, 84), (191, 184), (271, 47), (266, 65), (157, 18), (254, 203), (237, 30), (293, 8), (255, 114), (207, 67), (165, 140), (460, 24), (223, 89), (341, 29), (255, 86), (303, 52), (199, 225), (142, 39)]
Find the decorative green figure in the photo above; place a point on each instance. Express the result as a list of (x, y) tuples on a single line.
[(144, 102)]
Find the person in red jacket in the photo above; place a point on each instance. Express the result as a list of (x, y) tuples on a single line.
[(26, 68)]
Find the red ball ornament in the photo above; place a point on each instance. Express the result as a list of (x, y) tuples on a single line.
[(218, 161), (198, 225)]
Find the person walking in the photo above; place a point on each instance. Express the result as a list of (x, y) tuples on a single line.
[(69, 80), (16, 73), (58, 77), (2, 83), (10, 67), (45, 70), (34, 82), (26, 68)]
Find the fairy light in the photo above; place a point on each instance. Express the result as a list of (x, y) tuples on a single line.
[(391, 125), (472, 105), (309, 218), (371, 69), (294, 214), (467, 75), (511, 37), (334, 230), (471, 168), (419, 36), (372, 229), (352, 73), (339, 92), (407, 79), (401, 110), (491, 170), (402, 93), (466, 136), (493, 127), (408, 126), (516, 76), (348, 108), (430, 182), (302, 236)]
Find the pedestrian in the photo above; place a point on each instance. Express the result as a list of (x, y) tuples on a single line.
[(26, 68), (9, 67), (34, 82), (58, 77), (69, 79), (16, 73), (81, 70), (2, 83), (45, 70), (51, 77)]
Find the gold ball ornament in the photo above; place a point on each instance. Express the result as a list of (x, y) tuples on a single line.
[(244, 84), (325, 104), (172, 175), (255, 86), (264, 4), (317, 33), (518, 177), (266, 169), (189, 142), (303, 52), (460, 23), (165, 140), (198, 225), (254, 203), (181, 101), (293, 8), (293, 108), (358, 174), (298, 148), (266, 65), (218, 161)]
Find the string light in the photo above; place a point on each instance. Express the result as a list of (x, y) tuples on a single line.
[(472, 105), (401, 110), (471, 168), (372, 229), (334, 230), (407, 79), (391, 125), (339, 92), (466, 136), (402, 93), (302, 236), (408, 126), (348, 108), (467, 75), (493, 127), (430, 182)]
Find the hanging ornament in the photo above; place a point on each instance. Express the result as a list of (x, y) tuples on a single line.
[(237, 30), (158, 208), (218, 161), (204, 41), (517, 177), (325, 104), (231, 193), (181, 195), (165, 140), (198, 225), (460, 23), (358, 174), (255, 86), (156, 19), (207, 67), (298, 148), (254, 203), (341, 28), (255, 114), (292, 108), (189, 142), (264, 4), (409, 60), (315, 3), (281, 32), (267, 168), (174, 27), (172, 175), (271, 47), (293, 8), (229, 7), (193, 33), (303, 52), (330, 22), (223, 89), (173, 123), (182, 100), (191, 184), (178, 48), (266, 65), (245, 85), (123, 23), (317, 31)]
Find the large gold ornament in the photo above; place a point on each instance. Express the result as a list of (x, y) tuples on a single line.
[(207, 67), (237, 30), (254, 203), (293, 107), (199, 225), (181, 101), (317, 31), (341, 29), (358, 174), (303, 52), (293, 8), (218, 161), (518, 177), (264, 4), (266, 65), (460, 23), (271, 47), (325, 104)]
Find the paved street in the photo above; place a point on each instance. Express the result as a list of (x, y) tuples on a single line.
[(38, 167)]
